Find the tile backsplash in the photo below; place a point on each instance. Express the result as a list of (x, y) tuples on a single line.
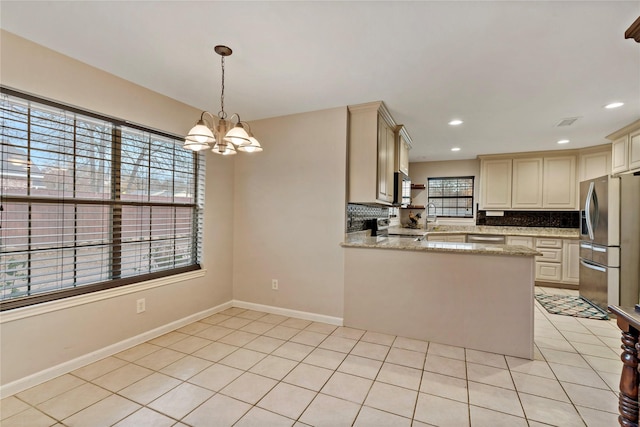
[(557, 219), (357, 214)]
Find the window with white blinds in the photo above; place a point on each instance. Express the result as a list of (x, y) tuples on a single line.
[(451, 196), (89, 202)]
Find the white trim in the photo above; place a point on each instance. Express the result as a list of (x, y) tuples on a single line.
[(337, 321), (62, 304), (71, 365)]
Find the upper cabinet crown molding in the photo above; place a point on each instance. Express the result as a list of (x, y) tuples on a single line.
[(375, 106), (530, 154), (624, 131)]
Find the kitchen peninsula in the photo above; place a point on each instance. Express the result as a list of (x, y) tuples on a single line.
[(470, 295)]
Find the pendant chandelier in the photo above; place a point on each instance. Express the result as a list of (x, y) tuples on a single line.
[(224, 134)]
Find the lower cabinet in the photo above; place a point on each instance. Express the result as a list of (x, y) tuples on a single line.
[(570, 261), (559, 262)]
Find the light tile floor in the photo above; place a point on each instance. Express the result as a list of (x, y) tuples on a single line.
[(246, 368)]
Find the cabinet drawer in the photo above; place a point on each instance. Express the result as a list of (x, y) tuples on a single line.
[(548, 271), (520, 241), (549, 255), (548, 243)]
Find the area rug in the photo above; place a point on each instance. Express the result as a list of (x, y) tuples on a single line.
[(568, 305)]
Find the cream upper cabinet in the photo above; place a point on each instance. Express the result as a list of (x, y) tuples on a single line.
[(545, 182), (634, 150), (625, 149), (527, 184), (386, 161), (402, 150), (371, 154), (559, 183), (594, 163), (620, 155), (495, 183)]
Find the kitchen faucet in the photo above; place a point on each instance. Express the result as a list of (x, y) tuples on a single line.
[(433, 218)]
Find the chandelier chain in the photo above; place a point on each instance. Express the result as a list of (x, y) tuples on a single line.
[(222, 113)]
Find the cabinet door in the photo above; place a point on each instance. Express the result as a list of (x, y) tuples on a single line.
[(594, 165), (559, 183), (495, 178), (527, 184), (548, 271), (620, 155), (391, 162), (461, 238), (403, 156), (520, 241), (634, 150), (570, 261), (385, 161)]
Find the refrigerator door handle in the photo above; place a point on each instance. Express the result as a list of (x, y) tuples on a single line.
[(586, 246), (598, 249), (592, 266), (587, 209)]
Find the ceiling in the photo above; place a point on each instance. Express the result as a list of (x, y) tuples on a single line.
[(510, 70)]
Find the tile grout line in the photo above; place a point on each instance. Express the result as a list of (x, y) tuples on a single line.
[(575, 406), (301, 361)]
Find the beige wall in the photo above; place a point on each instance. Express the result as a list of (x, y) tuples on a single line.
[(290, 214), (40, 342), (43, 72)]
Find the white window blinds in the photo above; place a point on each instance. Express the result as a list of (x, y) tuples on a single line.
[(452, 196), (89, 203)]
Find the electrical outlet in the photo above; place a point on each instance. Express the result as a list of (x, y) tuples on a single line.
[(274, 284), (141, 305)]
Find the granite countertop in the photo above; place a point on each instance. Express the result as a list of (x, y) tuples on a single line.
[(361, 240), (558, 233)]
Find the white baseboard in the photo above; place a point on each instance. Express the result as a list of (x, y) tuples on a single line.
[(71, 365), (337, 321)]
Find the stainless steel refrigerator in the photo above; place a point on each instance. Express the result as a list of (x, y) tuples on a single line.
[(610, 240)]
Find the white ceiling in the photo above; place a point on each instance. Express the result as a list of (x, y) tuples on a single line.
[(510, 70)]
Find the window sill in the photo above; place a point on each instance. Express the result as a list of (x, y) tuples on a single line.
[(62, 304)]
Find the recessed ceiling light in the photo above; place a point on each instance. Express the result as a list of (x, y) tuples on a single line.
[(455, 149), (614, 105), (455, 122), (563, 141)]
